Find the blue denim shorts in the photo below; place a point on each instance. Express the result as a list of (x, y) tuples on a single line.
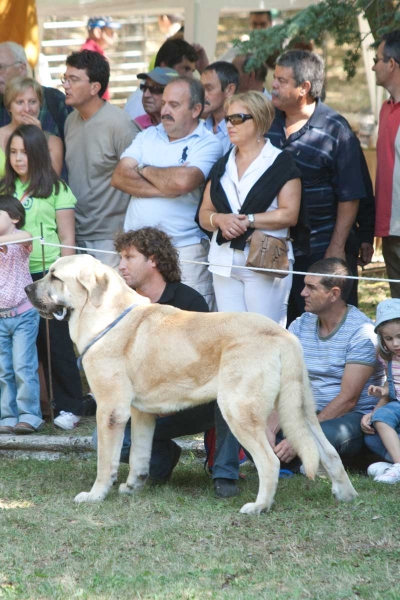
[(389, 414)]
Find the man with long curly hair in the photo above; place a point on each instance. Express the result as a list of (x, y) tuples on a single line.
[(149, 263)]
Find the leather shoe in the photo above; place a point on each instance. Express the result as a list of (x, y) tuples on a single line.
[(155, 481), (24, 428), (6, 429), (225, 488)]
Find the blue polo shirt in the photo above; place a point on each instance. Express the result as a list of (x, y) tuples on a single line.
[(329, 156), (221, 133)]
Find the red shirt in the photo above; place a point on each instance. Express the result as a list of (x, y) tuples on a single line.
[(94, 47), (387, 189)]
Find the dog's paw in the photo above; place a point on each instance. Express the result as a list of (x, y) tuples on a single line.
[(252, 508), (125, 489), (344, 492), (87, 497)]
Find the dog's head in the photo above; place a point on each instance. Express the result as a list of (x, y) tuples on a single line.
[(71, 283)]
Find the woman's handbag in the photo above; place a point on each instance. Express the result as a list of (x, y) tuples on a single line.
[(268, 252)]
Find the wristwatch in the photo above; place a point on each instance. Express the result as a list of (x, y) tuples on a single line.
[(251, 221), (140, 168)]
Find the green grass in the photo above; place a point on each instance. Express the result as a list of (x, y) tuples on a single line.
[(178, 542)]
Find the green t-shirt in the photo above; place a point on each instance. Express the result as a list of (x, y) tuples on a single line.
[(43, 211), (2, 163)]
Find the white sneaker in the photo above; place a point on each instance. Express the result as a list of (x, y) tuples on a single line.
[(379, 468), (66, 420), (392, 475)]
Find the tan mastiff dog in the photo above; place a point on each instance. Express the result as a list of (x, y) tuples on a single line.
[(159, 359)]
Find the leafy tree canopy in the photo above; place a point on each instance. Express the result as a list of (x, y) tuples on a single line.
[(336, 17)]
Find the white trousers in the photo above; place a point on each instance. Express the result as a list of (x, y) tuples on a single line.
[(249, 291), (198, 276)]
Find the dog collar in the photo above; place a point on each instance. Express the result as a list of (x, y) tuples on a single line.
[(100, 335)]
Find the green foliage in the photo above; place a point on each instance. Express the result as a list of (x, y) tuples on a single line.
[(335, 17)]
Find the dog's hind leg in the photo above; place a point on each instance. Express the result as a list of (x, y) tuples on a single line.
[(247, 421), (110, 433), (342, 487), (143, 425)]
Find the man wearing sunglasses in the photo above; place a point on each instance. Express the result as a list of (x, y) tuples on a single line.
[(152, 89), (387, 189)]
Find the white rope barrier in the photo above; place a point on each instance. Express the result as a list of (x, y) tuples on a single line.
[(196, 262)]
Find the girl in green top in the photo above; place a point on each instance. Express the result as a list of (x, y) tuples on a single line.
[(48, 203)]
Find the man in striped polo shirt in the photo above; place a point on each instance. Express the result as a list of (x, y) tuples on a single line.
[(337, 189), (387, 71), (339, 346)]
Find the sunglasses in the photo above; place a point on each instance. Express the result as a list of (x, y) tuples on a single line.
[(238, 118), (153, 89), (376, 60)]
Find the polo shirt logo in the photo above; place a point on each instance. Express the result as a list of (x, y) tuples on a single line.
[(183, 158)]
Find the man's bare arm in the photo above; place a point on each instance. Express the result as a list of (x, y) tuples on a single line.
[(354, 379), (126, 179), (174, 181), (345, 217)]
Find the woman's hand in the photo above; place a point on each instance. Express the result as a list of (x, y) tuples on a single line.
[(366, 424), (231, 225), (28, 119)]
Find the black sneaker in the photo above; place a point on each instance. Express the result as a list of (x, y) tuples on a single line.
[(89, 405), (225, 488)]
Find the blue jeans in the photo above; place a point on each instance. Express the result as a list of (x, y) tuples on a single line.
[(186, 422), (19, 380), (344, 433), (389, 414)]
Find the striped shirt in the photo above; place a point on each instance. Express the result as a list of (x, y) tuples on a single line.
[(352, 342), (328, 154), (387, 188), (395, 373)]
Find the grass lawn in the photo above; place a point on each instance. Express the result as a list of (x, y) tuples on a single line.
[(180, 543)]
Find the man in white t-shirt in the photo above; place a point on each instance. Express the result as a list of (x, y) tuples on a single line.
[(164, 170), (339, 346)]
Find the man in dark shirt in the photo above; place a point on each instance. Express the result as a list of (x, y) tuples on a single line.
[(150, 264), (337, 189)]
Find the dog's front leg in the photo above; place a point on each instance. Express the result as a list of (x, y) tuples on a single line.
[(143, 425), (110, 433)]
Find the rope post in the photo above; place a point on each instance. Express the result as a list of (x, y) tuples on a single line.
[(48, 347)]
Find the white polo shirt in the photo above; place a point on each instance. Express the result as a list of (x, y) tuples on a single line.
[(175, 216), (221, 133)]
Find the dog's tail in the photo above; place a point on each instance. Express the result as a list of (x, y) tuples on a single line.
[(296, 406)]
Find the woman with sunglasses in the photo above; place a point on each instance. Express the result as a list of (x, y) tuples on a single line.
[(254, 186)]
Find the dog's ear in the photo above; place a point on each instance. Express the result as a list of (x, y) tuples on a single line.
[(95, 284)]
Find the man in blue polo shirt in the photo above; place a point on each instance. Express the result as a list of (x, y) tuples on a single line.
[(337, 188), (164, 170)]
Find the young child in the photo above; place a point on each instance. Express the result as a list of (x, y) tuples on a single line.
[(19, 321), (385, 419)]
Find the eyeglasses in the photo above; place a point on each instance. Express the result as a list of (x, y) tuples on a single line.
[(376, 59), (238, 118), (3, 68), (72, 80), (153, 89)]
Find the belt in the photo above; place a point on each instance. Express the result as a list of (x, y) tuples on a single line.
[(17, 310)]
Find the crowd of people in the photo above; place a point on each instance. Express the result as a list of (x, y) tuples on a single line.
[(181, 191)]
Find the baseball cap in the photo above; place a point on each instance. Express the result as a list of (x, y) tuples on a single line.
[(161, 75), (387, 310), (102, 22)]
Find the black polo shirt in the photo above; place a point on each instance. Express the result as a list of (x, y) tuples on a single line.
[(184, 297)]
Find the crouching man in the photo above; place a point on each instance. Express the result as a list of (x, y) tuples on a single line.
[(149, 263), (340, 351)]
